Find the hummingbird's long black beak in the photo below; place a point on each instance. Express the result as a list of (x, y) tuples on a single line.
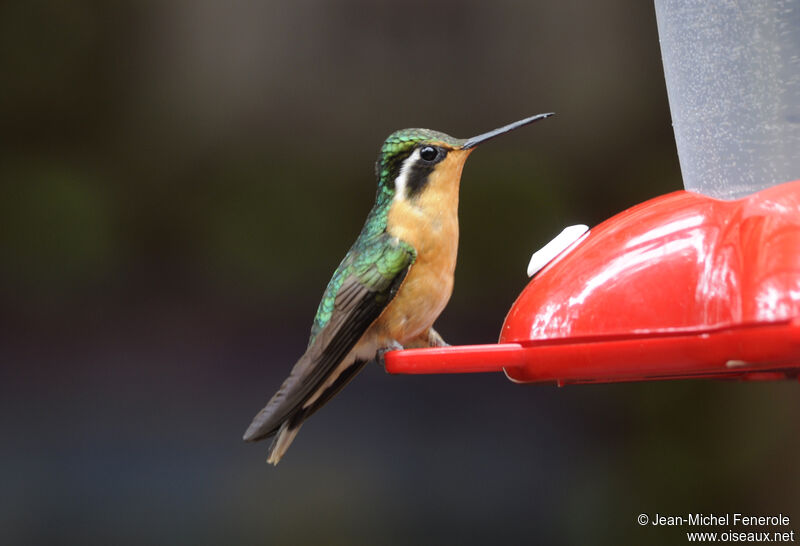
[(474, 141)]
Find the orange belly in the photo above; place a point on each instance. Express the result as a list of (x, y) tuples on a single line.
[(420, 300)]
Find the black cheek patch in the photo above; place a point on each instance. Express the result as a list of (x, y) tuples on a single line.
[(418, 177), (420, 172)]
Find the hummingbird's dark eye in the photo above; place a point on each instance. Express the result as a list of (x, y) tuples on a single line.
[(428, 153)]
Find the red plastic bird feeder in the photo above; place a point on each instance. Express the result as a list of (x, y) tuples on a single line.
[(680, 286), (684, 285)]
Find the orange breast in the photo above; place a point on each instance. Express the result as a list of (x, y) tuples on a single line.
[(429, 222)]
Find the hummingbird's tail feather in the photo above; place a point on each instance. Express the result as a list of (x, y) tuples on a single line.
[(283, 403), (282, 441), (285, 406), (268, 420)]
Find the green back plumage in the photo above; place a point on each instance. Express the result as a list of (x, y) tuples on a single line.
[(368, 250)]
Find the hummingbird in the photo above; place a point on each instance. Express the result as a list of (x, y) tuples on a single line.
[(391, 285)]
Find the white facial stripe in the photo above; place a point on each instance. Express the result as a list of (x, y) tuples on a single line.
[(401, 181)]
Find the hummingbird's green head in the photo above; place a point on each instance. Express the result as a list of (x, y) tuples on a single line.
[(409, 157)]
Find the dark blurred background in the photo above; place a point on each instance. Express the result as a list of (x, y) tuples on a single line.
[(179, 179)]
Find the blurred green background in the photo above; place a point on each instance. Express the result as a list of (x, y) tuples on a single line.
[(179, 179)]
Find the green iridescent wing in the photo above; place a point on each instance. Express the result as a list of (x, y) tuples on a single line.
[(365, 282), (373, 264)]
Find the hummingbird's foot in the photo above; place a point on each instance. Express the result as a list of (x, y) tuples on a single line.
[(435, 340), (379, 356), (431, 338)]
